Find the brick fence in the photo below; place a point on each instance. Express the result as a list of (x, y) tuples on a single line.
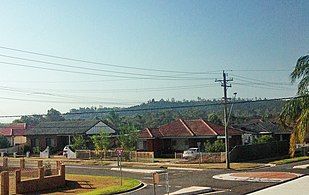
[(40, 180)]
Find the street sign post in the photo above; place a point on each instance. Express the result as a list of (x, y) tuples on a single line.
[(119, 152)]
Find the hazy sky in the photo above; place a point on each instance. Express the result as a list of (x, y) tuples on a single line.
[(203, 37)]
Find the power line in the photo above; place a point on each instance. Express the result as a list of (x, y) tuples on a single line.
[(65, 102), (91, 69), (159, 108), (107, 75), (96, 74), (260, 70), (260, 81), (97, 63)]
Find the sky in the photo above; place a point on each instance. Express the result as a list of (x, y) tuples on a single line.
[(145, 49)]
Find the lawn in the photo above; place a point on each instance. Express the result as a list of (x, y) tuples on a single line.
[(290, 160), (93, 185)]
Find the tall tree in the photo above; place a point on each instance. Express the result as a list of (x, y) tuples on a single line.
[(295, 113), (213, 118), (128, 137), (54, 115), (114, 119), (30, 120), (101, 141)]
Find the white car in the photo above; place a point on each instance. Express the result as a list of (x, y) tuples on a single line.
[(190, 153)]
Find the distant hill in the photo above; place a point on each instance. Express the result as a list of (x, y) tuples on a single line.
[(153, 111)]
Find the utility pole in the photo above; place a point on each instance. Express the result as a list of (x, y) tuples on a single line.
[(225, 101)]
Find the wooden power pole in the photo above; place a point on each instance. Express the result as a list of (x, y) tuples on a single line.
[(225, 85)]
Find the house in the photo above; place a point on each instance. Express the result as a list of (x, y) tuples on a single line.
[(180, 135), (255, 128), (15, 133), (58, 134)]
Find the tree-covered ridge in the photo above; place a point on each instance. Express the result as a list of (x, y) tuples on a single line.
[(148, 114)]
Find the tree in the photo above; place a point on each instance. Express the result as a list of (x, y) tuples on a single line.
[(4, 143), (101, 141), (295, 113), (217, 146), (54, 115), (30, 120), (114, 119), (213, 118), (128, 137), (79, 143), (263, 139)]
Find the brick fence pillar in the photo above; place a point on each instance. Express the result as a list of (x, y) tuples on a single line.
[(16, 181), (40, 163), (22, 163), (62, 171), (5, 162), (4, 183), (58, 164), (41, 172)]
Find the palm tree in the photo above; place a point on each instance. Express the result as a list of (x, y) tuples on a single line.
[(295, 113)]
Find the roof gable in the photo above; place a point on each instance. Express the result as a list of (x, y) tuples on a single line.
[(97, 128)]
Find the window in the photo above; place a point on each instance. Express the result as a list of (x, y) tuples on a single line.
[(34, 142), (50, 142)]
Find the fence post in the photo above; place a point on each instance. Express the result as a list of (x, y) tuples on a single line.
[(40, 163), (62, 171), (5, 162), (4, 181), (58, 164), (22, 163), (41, 173), (16, 181)]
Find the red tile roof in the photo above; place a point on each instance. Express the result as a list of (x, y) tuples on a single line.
[(187, 128), (220, 130), (176, 129), (148, 133), (200, 127), (17, 129)]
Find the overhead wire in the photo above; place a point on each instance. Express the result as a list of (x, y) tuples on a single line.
[(97, 63), (161, 108)]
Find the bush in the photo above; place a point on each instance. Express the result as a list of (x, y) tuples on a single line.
[(36, 150), (26, 149), (263, 139), (4, 143), (79, 143), (217, 146)]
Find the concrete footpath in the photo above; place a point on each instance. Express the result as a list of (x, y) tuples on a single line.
[(297, 186)]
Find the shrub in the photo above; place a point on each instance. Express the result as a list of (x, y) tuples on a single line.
[(79, 143), (36, 150), (217, 146), (4, 143), (26, 149), (263, 139)]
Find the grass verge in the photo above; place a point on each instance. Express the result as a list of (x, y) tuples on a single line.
[(93, 185), (290, 160)]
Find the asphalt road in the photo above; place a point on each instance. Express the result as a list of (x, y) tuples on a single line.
[(179, 179)]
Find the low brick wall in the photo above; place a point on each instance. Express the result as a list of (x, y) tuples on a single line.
[(40, 183), (10, 177), (218, 157)]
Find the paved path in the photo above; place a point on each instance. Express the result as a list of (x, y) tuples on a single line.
[(297, 186)]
